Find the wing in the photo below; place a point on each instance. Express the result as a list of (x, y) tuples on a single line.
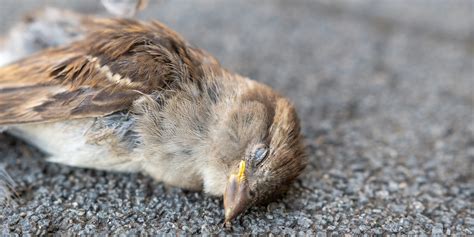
[(105, 72)]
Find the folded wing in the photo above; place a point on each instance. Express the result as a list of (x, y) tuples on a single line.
[(115, 63)]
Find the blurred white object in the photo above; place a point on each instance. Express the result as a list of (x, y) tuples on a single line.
[(124, 8), (53, 27), (5, 58), (43, 29)]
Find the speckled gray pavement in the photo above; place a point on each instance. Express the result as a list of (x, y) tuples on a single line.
[(385, 90)]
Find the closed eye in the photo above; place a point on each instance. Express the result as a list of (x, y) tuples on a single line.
[(260, 154)]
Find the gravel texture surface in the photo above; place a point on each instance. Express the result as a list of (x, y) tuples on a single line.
[(385, 90)]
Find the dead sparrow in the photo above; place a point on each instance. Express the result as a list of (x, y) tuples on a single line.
[(136, 97)]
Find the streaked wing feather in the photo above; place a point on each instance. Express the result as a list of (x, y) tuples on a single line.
[(105, 72)]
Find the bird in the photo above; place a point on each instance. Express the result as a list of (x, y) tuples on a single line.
[(135, 96)]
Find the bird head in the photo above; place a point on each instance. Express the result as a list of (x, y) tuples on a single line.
[(244, 140), (267, 129)]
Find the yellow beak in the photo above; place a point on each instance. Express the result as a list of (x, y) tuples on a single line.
[(237, 195)]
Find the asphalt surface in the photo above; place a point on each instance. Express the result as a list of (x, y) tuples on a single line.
[(385, 91)]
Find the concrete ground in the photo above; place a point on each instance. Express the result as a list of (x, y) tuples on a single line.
[(385, 90)]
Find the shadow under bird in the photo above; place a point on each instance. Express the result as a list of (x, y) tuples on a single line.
[(136, 97)]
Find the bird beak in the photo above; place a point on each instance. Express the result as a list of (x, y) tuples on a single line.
[(237, 195)]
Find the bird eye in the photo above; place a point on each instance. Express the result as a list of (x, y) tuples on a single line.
[(260, 154)]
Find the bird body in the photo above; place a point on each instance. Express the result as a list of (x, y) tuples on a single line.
[(136, 97)]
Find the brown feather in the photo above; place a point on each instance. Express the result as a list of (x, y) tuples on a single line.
[(117, 61)]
